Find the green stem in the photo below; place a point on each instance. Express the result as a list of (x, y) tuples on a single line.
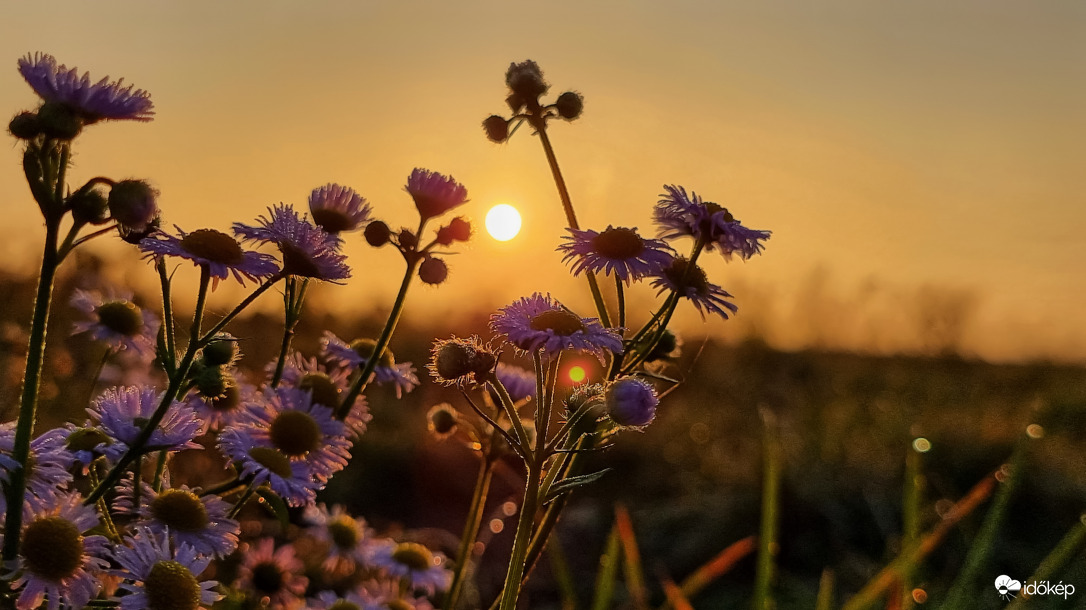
[(292, 306), (160, 469), (221, 324), (382, 341), (221, 488), (511, 589), (471, 530), (35, 357), (249, 491), (621, 295), (167, 314), (540, 125)]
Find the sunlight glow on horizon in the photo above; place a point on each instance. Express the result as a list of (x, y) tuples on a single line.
[(503, 222)]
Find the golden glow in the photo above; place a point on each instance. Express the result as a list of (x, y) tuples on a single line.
[(577, 374), (503, 222)]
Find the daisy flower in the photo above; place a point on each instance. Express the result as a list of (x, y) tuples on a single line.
[(158, 578), (615, 250), (692, 283), (292, 480), (122, 412), (200, 522), (116, 321), (273, 575), (216, 251), (358, 352), (215, 413), (326, 385), (308, 251), (680, 214), (57, 562), (47, 469), (414, 563), (348, 539), (102, 100), (337, 209), (301, 430), (434, 193), (540, 323)]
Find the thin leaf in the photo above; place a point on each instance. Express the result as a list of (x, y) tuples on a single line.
[(635, 576), (825, 590), (718, 566), (1068, 548), (568, 484)]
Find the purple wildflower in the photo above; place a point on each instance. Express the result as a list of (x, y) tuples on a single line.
[(301, 430), (116, 321), (434, 193), (308, 251), (292, 480), (692, 283), (102, 100), (215, 413), (358, 352), (197, 521), (680, 214), (326, 385), (631, 402), (616, 249), (414, 563), (47, 470), (337, 209), (273, 575), (156, 577), (348, 539), (57, 561), (122, 412), (219, 253), (540, 323)]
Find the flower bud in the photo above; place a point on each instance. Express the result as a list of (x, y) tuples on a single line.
[(433, 271), (569, 105), (211, 381), (134, 237), (588, 396), (515, 102), (458, 229), (442, 420), (89, 207), (59, 121), (526, 80), (407, 239), (496, 128), (667, 347), (132, 204), (377, 234), (631, 402), (458, 360), (25, 126), (223, 349)]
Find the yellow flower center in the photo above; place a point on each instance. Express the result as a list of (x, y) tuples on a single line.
[(180, 510), (171, 586), (267, 578), (324, 390), (215, 246), (272, 460), (343, 532), (331, 220), (52, 548), (365, 347), (558, 321), (413, 555), (295, 433), (121, 317), (620, 243)]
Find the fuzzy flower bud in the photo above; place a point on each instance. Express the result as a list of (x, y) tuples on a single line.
[(377, 233), (569, 105), (433, 271), (455, 360), (458, 229), (132, 204), (211, 381), (526, 80), (89, 206), (497, 128), (25, 126), (442, 420), (631, 402), (222, 350), (59, 121), (134, 237)]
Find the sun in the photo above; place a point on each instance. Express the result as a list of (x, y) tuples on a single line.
[(503, 222)]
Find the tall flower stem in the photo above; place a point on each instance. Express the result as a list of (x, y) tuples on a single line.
[(471, 526), (382, 341), (293, 298), (35, 357), (540, 126)]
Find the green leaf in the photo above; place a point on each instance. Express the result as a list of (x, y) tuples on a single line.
[(568, 484)]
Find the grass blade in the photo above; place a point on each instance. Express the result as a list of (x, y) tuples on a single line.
[(910, 518), (767, 539), (635, 576), (718, 566), (675, 597), (825, 590), (605, 580), (563, 577), (1068, 548)]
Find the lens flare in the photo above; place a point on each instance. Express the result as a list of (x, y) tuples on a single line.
[(577, 374)]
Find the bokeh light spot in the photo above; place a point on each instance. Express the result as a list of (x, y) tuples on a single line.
[(577, 374), (503, 222), (922, 445), (497, 525)]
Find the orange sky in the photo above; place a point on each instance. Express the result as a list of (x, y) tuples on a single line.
[(889, 148)]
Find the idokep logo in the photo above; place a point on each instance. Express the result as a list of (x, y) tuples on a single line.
[(1008, 588)]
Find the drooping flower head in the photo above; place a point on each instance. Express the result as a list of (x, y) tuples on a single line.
[(308, 251), (337, 209), (435, 193), (214, 250), (631, 402), (292, 480), (116, 321), (679, 214), (689, 281), (273, 576), (615, 250), (122, 412), (358, 352), (415, 563), (541, 323), (158, 578), (93, 102), (57, 561)]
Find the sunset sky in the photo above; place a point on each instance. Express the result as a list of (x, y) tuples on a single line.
[(901, 153)]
